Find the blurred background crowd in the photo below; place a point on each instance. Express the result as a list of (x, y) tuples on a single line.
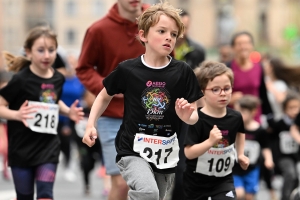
[(273, 31)]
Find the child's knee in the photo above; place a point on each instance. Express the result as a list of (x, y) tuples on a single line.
[(151, 194)]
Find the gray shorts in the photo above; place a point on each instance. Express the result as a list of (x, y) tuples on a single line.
[(144, 184), (107, 128)]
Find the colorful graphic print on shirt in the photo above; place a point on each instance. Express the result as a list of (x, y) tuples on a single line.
[(155, 100), (48, 94)]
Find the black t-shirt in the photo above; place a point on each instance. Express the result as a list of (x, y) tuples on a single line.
[(257, 140), (285, 145), (149, 100), (297, 120), (230, 125), (28, 148)]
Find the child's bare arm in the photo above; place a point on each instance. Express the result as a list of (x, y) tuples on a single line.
[(239, 145), (267, 153), (196, 150), (100, 104)]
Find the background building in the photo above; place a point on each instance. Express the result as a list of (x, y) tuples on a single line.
[(274, 23)]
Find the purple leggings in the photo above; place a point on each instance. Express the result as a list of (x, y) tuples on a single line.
[(24, 178)]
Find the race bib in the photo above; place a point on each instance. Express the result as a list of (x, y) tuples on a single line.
[(287, 144), (81, 126), (161, 151), (217, 161), (252, 151), (45, 120)]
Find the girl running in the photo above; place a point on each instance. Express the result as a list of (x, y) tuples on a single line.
[(31, 104)]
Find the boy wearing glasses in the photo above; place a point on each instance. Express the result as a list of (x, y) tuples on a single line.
[(212, 143)]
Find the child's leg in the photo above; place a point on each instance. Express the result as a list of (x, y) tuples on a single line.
[(239, 186), (45, 176), (164, 183), (139, 177), (24, 182), (288, 168), (252, 183)]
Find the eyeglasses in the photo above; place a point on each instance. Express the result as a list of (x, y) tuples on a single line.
[(218, 90)]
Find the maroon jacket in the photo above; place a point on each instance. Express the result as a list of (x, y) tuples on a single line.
[(107, 42)]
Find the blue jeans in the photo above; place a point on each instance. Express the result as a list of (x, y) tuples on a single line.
[(108, 128)]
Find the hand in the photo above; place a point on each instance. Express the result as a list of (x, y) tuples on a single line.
[(90, 136), (183, 109), (66, 130), (243, 161), (24, 111), (119, 96), (269, 164), (215, 135), (76, 113)]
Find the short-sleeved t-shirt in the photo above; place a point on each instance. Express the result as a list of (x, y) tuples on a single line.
[(285, 145), (149, 100), (26, 147), (231, 124), (256, 140)]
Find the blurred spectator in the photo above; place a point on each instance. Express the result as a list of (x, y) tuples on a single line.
[(225, 53), (248, 76), (4, 78), (72, 90), (186, 49)]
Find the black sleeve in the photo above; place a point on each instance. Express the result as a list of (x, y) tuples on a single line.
[(11, 90), (58, 62), (193, 91), (241, 128), (266, 107), (297, 120), (115, 82), (193, 135), (262, 139)]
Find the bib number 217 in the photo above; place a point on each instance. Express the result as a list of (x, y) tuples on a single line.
[(158, 154)]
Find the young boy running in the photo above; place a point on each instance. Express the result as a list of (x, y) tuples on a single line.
[(210, 143), (246, 182), (157, 90)]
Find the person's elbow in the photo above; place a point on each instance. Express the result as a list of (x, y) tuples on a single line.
[(188, 153)]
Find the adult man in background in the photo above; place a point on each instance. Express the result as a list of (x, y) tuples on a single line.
[(108, 42), (186, 49)]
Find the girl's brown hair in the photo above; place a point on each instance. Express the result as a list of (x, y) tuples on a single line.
[(15, 63), (208, 70), (151, 17)]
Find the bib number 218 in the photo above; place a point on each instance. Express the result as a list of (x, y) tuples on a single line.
[(46, 122)]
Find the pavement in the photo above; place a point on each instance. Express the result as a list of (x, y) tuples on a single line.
[(72, 188)]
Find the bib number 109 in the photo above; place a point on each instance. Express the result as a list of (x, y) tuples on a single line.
[(220, 164)]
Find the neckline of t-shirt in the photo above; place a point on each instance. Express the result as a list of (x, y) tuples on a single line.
[(213, 116), (54, 71), (143, 61)]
